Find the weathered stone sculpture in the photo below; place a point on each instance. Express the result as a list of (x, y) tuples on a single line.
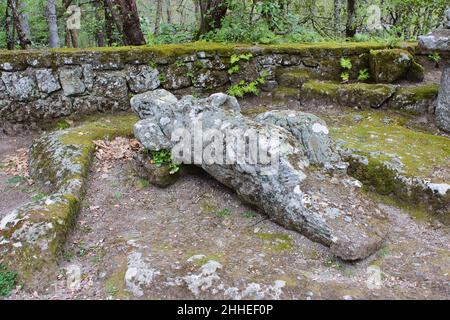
[(302, 188)]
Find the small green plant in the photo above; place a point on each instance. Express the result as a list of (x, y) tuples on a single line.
[(8, 280), (180, 63), (162, 78), (345, 76), (38, 197), (346, 65), (242, 88), (152, 64), (16, 180), (234, 60), (234, 69), (244, 56), (249, 214), (117, 195), (363, 75), (142, 184), (62, 124), (111, 290), (223, 213), (436, 58), (163, 157)]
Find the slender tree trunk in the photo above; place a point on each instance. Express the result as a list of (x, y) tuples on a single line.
[(337, 17), (159, 11), (24, 42), (99, 29), (23, 17), (131, 24), (9, 27), (109, 23), (53, 36), (212, 13), (169, 12), (350, 29)]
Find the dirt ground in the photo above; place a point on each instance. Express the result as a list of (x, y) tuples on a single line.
[(196, 239)]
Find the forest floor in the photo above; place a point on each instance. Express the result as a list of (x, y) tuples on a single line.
[(196, 239)]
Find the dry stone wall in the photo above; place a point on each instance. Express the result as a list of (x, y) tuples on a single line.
[(36, 86)]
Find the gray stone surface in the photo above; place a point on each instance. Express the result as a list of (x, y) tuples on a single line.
[(142, 78), (294, 194), (311, 131), (437, 40), (21, 86), (47, 80), (443, 105), (71, 81)]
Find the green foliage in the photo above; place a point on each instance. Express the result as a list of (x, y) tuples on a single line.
[(8, 280), (346, 64), (234, 60), (163, 157), (171, 33), (152, 64), (345, 76), (242, 88), (363, 75), (39, 196), (223, 213), (180, 63), (62, 124), (162, 78), (249, 214), (435, 57)]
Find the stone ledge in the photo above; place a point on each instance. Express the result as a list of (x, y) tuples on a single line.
[(31, 237)]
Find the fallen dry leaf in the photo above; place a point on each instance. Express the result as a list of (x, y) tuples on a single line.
[(17, 164), (118, 149)]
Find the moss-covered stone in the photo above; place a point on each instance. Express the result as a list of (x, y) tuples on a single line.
[(415, 100), (390, 65), (363, 95), (31, 237), (282, 93), (292, 78), (317, 91), (394, 160)]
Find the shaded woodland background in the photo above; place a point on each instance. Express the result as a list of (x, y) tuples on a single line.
[(42, 23)]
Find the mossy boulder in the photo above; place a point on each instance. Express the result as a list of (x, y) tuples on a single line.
[(390, 65), (292, 78), (415, 100), (363, 95)]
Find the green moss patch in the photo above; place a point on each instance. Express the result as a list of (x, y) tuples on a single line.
[(420, 153)]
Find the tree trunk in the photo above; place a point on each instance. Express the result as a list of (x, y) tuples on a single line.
[(212, 13), (169, 12), (24, 42), (350, 29), (109, 24), (53, 36), (23, 17), (131, 25), (337, 17), (159, 10), (99, 30), (9, 27)]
